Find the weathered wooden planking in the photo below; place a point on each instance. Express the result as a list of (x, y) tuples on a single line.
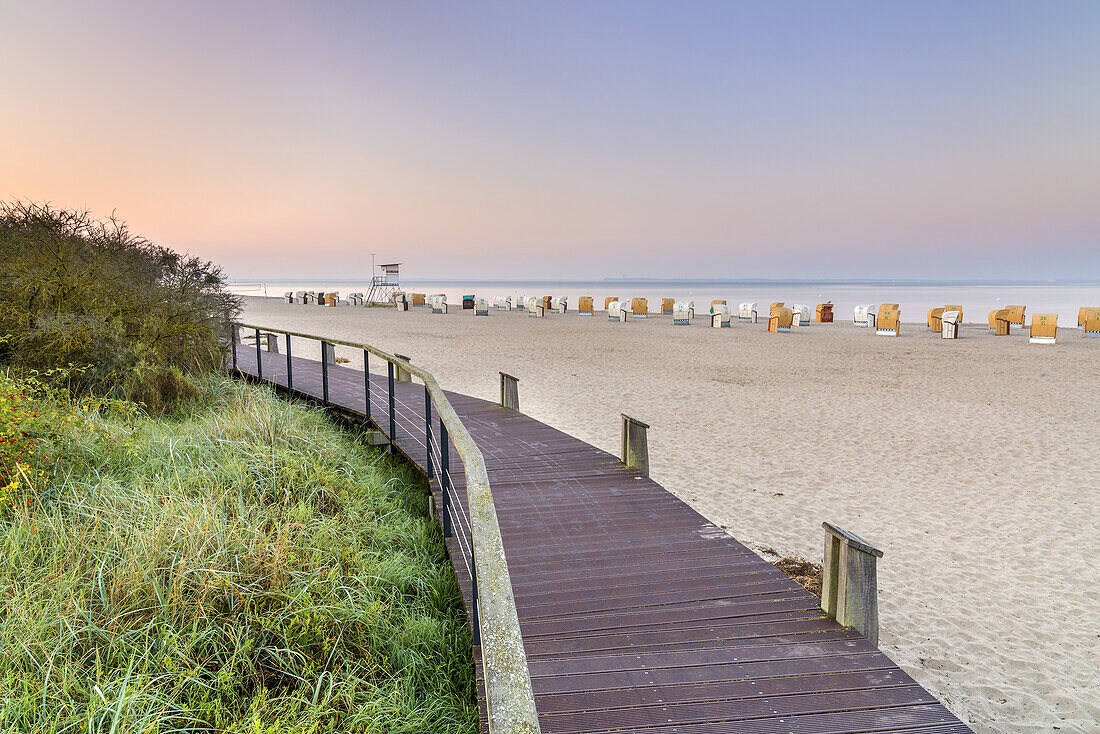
[(637, 613)]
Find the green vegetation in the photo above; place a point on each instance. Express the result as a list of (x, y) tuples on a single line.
[(136, 318), (236, 564)]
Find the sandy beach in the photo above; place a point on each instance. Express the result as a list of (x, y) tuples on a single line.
[(971, 463)]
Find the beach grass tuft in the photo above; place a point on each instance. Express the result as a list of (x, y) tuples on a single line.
[(239, 564)]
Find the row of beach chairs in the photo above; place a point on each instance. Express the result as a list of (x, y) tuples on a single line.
[(885, 319)]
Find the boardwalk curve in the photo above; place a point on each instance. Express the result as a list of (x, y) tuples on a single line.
[(636, 613)]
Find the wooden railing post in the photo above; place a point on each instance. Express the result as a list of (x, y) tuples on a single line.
[(428, 431), (366, 383), (635, 444), (272, 342), (233, 342), (289, 366), (326, 349), (259, 359), (445, 476), (393, 410), (849, 584), (509, 391), (403, 375)]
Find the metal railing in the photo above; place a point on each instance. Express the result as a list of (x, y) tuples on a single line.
[(474, 527)]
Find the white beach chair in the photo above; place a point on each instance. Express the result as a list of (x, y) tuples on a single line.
[(747, 312), (533, 306), (617, 311), (864, 315), (950, 327), (502, 303), (288, 297), (559, 304), (720, 316), (481, 306), (803, 316), (683, 312), (439, 303)]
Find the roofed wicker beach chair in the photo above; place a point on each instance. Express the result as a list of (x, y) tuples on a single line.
[(607, 301), (1044, 328), (999, 323), (780, 319), (888, 320), (825, 312), (616, 311), (419, 299), (682, 313), (949, 323), (639, 307), (802, 314), (502, 303), (439, 303), (584, 305), (746, 312), (667, 304), (559, 304), (1081, 314), (864, 315), (717, 302), (720, 316), (935, 319), (1091, 323), (481, 306), (1016, 315), (533, 306)]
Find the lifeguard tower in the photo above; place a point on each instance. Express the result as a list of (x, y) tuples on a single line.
[(385, 286)]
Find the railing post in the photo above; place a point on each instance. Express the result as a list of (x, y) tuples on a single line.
[(259, 361), (366, 380), (849, 584), (635, 444), (428, 430), (272, 342), (289, 366), (233, 342), (393, 413), (324, 371), (475, 622), (403, 375), (509, 391), (445, 473)]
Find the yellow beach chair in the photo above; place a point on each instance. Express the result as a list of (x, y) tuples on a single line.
[(1083, 314), (999, 323), (607, 301), (639, 308), (584, 305), (935, 319), (888, 321), (419, 299), (1092, 322), (955, 308), (1016, 315), (667, 304), (1044, 328), (780, 319)]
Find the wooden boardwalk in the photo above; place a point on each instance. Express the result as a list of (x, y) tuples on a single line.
[(638, 614)]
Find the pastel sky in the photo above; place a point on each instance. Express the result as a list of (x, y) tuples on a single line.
[(569, 139)]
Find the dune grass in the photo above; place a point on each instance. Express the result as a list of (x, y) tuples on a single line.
[(241, 564)]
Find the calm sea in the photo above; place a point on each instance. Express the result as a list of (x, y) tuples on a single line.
[(977, 300)]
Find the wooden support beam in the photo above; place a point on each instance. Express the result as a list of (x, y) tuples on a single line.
[(509, 391), (849, 584), (402, 374), (635, 444)]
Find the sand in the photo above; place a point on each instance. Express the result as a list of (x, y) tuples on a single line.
[(972, 463)]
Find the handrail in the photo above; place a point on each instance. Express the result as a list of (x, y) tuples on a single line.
[(509, 695)]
